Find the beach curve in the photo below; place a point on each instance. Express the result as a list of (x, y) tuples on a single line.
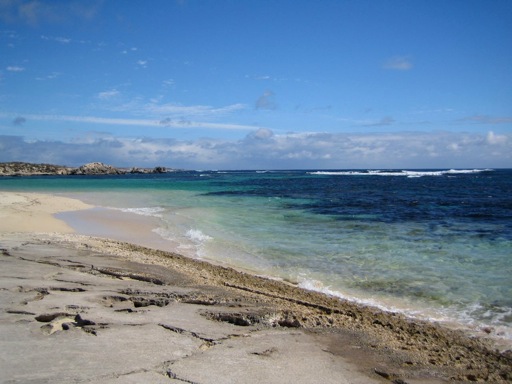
[(389, 346)]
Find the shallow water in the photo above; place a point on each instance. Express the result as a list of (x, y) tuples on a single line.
[(431, 243)]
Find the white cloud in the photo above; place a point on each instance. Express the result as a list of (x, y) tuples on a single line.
[(399, 63), (486, 119), (261, 134), (132, 49), (453, 146), (191, 110), (262, 148), (266, 101), (107, 95), (58, 39), (495, 139), (14, 68), (51, 76), (155, 108), (386, 120), (142, 122)]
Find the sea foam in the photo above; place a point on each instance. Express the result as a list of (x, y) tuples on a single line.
[(197, 236), (145, 211), (405, 173)]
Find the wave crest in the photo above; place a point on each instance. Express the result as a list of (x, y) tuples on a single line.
[(406, 173)]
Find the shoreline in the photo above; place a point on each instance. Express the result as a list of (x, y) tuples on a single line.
[(420, 348), (118, 225), (139, 229)]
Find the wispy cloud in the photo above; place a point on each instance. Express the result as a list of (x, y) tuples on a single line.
[(35, 12), (126, 51), (12, 38), (191, 110), (142, 122), (264, 78), (63, 40), (266, 101), (58, 39), (154, 107), (9, 34), (51, 76), (317, 109), (486, 119), (385, 121), (20, 120), (494, 139), (107, 95), (168, 83), (270, 78), (15, 68), (399, 63)]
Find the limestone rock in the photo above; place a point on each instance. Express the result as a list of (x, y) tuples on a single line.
[(96, 169), (27, 169)]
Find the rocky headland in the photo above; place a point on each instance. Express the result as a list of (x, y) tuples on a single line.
[(95, 168)]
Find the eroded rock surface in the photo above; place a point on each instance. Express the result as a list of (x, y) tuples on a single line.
[(96, 311)]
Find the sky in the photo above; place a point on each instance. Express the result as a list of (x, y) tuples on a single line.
[(257, 84)]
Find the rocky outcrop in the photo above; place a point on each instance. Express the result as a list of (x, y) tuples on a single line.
[(28, 169), (95, 168), (159, 170), (146, 170)]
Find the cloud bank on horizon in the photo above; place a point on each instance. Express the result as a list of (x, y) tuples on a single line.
[(257, 85)]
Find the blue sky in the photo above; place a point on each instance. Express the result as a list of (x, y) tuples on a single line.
[(257, 84)]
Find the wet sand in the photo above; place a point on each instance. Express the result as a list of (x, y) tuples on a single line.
[(84, 309)]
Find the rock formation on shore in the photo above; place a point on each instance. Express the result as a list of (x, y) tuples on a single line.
[(96, 168), (19, 168), (79, 309)]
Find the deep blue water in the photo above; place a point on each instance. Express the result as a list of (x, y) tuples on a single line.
[(431, 243)]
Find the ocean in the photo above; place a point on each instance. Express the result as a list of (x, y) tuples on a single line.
[(433, 244)]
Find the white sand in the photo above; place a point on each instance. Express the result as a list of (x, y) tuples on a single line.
[(34, 212)]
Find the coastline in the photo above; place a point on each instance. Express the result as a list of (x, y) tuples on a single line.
[(367, 343), (115, 224)]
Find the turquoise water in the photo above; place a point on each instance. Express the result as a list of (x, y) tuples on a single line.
[(435, 244)]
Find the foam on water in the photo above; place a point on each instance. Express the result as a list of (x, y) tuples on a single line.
[(144, 211), (464, 318), (197, 236), (399, 173), (318, 286)]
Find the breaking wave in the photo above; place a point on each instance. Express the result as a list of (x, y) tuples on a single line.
[(405, 173), (154, 211)]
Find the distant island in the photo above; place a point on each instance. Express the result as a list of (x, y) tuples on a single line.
[(30, 169)]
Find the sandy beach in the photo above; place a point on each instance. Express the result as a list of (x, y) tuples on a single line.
[(76, 308), (33, 212)]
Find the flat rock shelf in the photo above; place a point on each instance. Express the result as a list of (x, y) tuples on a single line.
[(76, 309)]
